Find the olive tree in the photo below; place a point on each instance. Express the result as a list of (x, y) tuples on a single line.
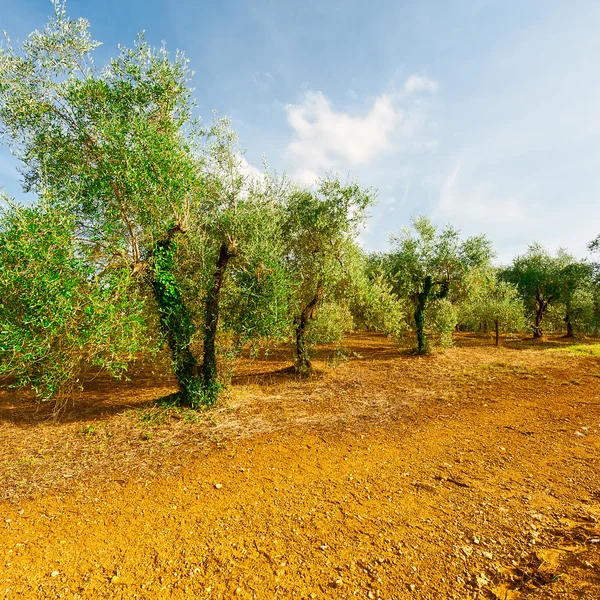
[(373, 304), (320, 226), (490, 303), (575, 277), (113, 149), (361, 299), (426, 264), (539, 279), (242, 246)]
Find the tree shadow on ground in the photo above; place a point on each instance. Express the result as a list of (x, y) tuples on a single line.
[(523, 342), (101, 397), (276, 378)]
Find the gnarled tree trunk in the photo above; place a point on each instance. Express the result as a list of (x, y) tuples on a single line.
[(303, 364), (210, 382), (175, 320), (423, 299), (570, 331), (541, 306)]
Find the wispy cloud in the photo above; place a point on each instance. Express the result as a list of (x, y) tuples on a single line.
[(420, 83), (480, 203)]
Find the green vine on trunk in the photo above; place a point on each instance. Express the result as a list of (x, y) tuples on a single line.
[(176, 325), (423, 299)]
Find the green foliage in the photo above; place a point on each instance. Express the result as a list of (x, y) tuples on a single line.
[(427, 266), (112, 145), (444, 318), (373, 304), (56, 313), (576, 293), (488, 301), (554, 318), (256, 287), (545, 281), (321, 227), (329, 325), (427, 251), (241, 277), (176, 322), (112, 151), (535, 272), (584, 312)]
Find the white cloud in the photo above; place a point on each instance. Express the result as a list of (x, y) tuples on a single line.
[(249, 170), (420, 83), (325, 137)]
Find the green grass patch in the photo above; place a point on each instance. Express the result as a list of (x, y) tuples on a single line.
[(585, 349), (89, 429)]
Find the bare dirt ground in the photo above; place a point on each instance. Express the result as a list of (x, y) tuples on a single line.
[(468, 474)]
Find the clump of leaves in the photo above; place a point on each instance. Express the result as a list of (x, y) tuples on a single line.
[(58, 314)]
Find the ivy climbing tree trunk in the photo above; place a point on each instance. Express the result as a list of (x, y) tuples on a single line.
[(175, 321), (303, 364), (422, 300), (210, 381)]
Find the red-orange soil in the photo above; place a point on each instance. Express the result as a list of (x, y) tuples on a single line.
[(472, 473)]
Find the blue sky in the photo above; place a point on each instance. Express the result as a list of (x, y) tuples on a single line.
[(481, 114)]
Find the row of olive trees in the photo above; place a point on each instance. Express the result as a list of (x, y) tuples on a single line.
[(148, 232), (451, 283), (150, 235), (558, 291)]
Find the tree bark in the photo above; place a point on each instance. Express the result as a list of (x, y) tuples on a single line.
[(303, 363), (175, 321), (497, 328), (209, 364), (541, 307), (570, 331), (538, 332), (422, 299)]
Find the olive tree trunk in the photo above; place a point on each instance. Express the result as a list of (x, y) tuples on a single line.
[(540, 310), (423, 298), (420, 313), (570, 330), (303, 363), (210, 381), (175, 321)]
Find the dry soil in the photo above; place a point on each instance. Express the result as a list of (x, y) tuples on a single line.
[(472, 473)]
